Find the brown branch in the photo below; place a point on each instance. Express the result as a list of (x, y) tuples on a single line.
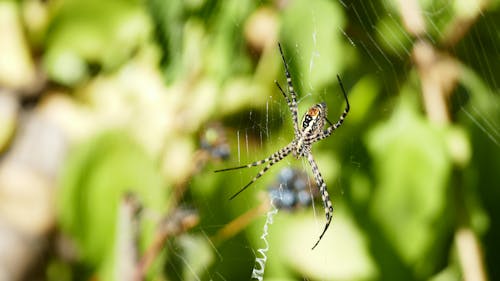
[(462, 23), (179, 222), (235, 226), (438, 74)]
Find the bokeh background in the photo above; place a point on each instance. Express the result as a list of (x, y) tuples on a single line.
[(115, 114)]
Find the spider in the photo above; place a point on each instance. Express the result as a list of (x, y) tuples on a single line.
[(306, 133)]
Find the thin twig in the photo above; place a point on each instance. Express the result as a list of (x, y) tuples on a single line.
[(241, 222), (180, 221)]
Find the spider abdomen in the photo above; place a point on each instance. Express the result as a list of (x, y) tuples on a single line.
[(314, 119), (312, 126)]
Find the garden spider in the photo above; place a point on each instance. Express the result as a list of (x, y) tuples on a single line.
[(310, 132)]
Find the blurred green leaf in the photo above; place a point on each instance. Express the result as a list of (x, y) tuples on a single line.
[(363, 95), (97, 176), (392, 37), (344, 247), (314, 46), (98, 33), (412, 167)]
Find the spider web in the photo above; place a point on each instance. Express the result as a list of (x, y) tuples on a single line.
[(376, 35)]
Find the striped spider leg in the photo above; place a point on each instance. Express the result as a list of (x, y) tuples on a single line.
[(292, 103), (307, 132), (271, 160)]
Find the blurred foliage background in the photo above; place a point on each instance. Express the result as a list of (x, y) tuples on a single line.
[(114, 115)]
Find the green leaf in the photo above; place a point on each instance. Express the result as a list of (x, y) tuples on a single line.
[(412, 168), (83, 33), (312, 27), (97, 176), (344, 247)]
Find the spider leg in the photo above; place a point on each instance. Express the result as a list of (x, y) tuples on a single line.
[(275, 158), (346, 109), (256, 163), (343, 92), (284, 94), (329, 123), (293, 104), (288, 101), (327, 204)]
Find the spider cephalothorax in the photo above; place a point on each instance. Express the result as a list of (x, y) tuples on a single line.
[(310, 131)]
